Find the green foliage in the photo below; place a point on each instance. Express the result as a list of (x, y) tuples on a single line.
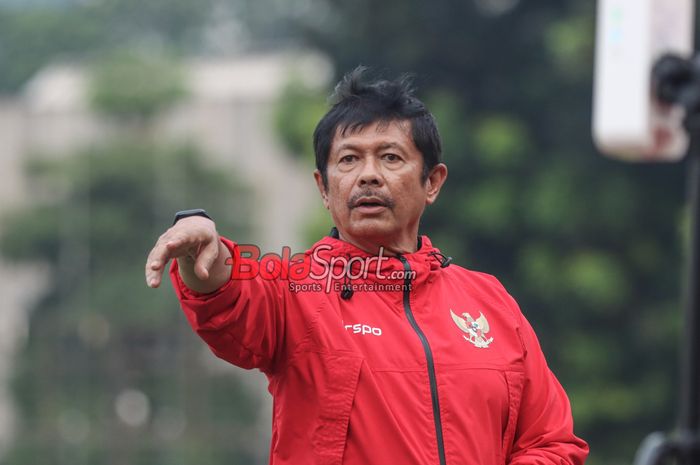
[(318, 224), (569, 42), (298, 111), (32, 37), (99, 331), (500, 142), (125, 85)]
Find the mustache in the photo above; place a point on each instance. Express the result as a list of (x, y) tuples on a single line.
[(384, 199)]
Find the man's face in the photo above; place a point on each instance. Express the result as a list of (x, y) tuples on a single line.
[(375, 193)]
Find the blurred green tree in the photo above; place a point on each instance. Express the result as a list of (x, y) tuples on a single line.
[(298, 109), (110, 372), (31, 35), (123, 85)]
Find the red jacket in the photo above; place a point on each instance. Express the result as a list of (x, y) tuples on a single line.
[(438, 369)]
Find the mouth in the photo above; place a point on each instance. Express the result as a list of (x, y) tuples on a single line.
[(370, 205)]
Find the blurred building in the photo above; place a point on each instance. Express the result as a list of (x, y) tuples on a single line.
[(227, 112)]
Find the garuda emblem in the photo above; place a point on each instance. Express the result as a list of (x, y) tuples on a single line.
[(475, 329)]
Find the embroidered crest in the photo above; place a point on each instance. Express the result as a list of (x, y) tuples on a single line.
[(475, 329)]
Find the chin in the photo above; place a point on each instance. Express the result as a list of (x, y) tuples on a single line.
[(371, 229)]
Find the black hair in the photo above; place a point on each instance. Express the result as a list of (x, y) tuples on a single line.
[(356, 104)]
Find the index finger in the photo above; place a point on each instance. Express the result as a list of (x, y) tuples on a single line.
[(159, 256)]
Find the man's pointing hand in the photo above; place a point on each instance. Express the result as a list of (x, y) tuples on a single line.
[(202, 257)]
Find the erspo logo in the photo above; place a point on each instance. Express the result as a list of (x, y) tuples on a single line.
[(359, 328)]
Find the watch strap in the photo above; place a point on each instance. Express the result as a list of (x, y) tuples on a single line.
[(193, 212)]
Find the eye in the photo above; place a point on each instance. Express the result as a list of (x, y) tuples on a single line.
[(347, 158), (391, 157)]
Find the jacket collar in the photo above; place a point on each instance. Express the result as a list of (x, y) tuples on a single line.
[(425, 261), (336, 235)]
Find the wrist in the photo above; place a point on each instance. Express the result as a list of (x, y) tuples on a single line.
[(219, 273)]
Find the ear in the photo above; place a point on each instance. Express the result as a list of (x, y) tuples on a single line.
[(321, 188), (434, 183)]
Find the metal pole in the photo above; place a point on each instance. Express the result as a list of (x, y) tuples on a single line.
[(689, 415), (678, 83)]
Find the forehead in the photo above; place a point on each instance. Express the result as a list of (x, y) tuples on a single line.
[(394, 133)]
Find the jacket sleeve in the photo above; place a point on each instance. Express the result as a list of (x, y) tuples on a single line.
[(545, 429), (242, 322)]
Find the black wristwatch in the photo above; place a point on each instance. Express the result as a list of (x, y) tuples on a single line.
[(194, 212)]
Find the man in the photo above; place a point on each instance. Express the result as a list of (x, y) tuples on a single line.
[(377, 349)]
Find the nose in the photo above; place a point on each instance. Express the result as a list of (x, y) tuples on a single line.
[(370, 174)]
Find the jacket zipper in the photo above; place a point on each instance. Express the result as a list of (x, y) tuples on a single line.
[(428, 356)]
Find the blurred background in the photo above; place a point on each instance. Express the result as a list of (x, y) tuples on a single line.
[(114, 114)]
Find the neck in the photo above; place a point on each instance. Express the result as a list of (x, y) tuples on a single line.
[(391, 246)]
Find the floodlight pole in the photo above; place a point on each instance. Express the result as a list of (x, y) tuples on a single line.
[(677, 81), (689, 415)]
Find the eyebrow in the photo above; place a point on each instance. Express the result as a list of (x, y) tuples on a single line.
[(384, 146), (390, 145)]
